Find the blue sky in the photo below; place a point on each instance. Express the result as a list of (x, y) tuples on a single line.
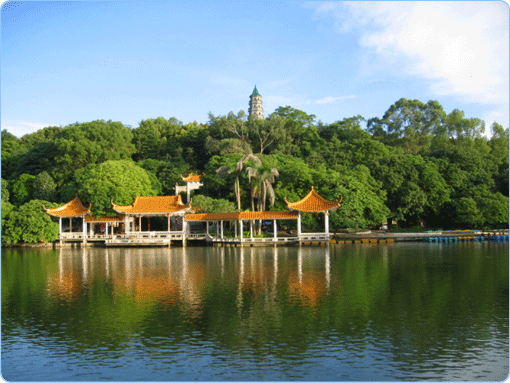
[(66, 62)]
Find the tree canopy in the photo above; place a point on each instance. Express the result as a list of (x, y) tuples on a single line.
[(416, 164)]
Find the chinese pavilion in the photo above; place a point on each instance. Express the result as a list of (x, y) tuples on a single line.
[(314, 203), (72, 209), (166, 206)]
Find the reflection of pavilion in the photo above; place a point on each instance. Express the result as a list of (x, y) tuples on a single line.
[(172, 276)]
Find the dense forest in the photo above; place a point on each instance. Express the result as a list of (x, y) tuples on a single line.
[(417, 165)]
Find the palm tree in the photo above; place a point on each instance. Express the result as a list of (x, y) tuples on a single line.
[(224, 171), (264, 177), (261, 178)]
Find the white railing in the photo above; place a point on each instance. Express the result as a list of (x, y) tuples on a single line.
[(303, 237), (75, 235), (314, 237)]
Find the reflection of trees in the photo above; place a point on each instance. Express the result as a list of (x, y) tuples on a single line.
[(277, 301)]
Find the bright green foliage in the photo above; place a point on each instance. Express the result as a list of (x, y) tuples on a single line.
[(204, 204), (416, 164), (22, 189), (10, 144), (460, 127), (494, 208), (363, 203), (43, 135), (44, 187), (168, 173), (416, 189), (10, 148), (80, 145), (499, 152), (5, 191), (467, 213), (409, 124), (7, 207), (30, 224), (296, 115), (120, 181)]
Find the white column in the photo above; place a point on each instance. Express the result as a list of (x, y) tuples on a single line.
[(168, 221), (299, 225), (84, 228), (106, 229), (235, 228), (207, 227), (59, 226), (70, 224), (139, 223), (126, 224), (221, 228), (251, 229), (275, 230), (326, 221), (241, 229)]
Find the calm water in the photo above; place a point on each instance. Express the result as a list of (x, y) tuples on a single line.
[(346, 312)]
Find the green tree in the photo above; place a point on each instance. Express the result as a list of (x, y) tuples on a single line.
[(30, 224), (10, 149), (416, 189), (204, 204), (296, 115), (120, 181), (80, 145), (499, 152), (44, 187), (5, 191), (23, 189), (262, 177), (409, 124), (467, 213), (460, 127)]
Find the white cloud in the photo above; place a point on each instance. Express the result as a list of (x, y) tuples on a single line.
[(459, 47), (20, 128), (330, 100)]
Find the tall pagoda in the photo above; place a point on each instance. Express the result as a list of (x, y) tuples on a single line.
[(255, 104)]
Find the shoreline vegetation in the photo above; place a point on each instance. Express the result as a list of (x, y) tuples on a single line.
[(416, 168)]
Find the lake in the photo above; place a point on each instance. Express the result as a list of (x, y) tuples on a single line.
[(353, 312)]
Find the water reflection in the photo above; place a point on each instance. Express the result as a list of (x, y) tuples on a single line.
[(314, 313), (179, 274)]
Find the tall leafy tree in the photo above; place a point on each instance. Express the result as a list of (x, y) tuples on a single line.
[(120, 181), (23, 189), (80, 145), (409, 124), (44, 187)]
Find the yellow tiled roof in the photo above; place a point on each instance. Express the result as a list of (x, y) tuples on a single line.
[(73, 208), (313, 203), (153, 205), (191, 178), (90, 219), (244, 215)]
